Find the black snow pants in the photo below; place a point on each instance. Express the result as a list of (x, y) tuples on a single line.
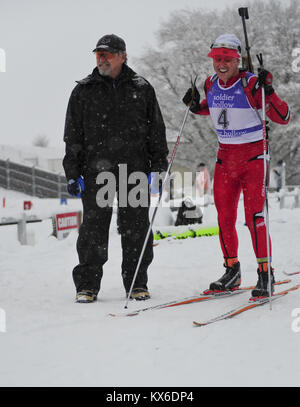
[(92, 243)]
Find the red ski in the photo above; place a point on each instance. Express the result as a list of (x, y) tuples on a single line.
[(190, 300), (245, 307)]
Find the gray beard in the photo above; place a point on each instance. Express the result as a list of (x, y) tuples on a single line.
[(104, 71)]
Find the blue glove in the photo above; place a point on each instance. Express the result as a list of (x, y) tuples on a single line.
[(75, 188), (156, 179), (155, 182)]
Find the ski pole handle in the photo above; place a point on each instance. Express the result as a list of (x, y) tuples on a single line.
[(260, 60)]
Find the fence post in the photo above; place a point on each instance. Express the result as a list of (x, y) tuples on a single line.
[(7, 174), (22, 234), (59, 186), (283, 174), (297, 202), (33, 182)]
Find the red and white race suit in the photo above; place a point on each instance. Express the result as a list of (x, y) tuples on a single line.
[(240, 160)]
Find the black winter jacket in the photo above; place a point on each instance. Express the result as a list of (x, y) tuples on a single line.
[(111, 122)]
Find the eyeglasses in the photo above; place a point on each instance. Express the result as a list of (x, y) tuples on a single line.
[(105, 54), (220, 59)]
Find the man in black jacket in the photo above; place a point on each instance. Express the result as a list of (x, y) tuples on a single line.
[(113, 121)]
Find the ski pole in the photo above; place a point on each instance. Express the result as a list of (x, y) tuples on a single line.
[(160, 195), (265, 146), (156, 207), (243, 12)]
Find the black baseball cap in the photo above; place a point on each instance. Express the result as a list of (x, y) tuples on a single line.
[(111, 43)]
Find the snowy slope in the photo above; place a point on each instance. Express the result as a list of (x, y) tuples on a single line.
[(52, 341)]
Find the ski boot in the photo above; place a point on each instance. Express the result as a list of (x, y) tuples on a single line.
[(86, 296), (231, 280), (139, 294), (262, 286)]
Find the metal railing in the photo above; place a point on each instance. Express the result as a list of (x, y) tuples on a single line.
[(32, 181)]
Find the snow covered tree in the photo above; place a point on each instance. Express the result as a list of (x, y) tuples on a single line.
[(183, 42)]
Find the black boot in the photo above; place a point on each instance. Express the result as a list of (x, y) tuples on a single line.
[(139, 294), (86, 296), (230, 280), (262, 286)]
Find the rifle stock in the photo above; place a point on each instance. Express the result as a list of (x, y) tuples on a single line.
[(246, 60)]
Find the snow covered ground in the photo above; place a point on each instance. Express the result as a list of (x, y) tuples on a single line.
[(52, 341)]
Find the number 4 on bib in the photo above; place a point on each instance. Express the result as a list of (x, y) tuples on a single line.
[(222, 119)]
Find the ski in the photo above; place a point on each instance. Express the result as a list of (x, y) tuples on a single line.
[(291, 274), (190, 300), (187, 300), (252, 303)]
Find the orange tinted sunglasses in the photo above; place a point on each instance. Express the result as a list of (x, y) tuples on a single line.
[(105, 55), (219, 59)]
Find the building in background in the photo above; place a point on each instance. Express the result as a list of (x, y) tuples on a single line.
[(46, 158)]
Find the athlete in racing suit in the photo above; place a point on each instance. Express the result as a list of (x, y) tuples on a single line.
[(234, 102)]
